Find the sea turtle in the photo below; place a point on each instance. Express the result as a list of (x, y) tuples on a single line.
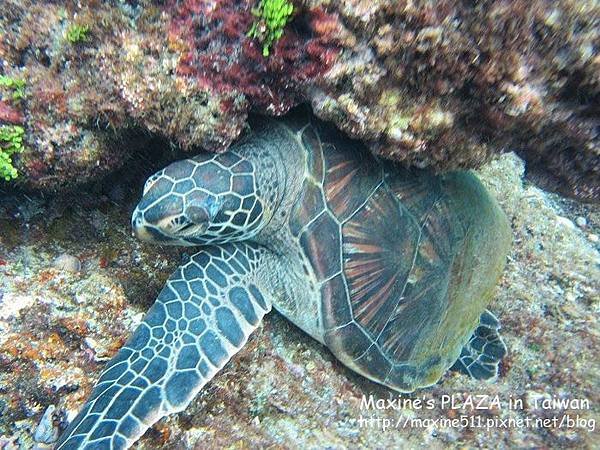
[(388, 267)]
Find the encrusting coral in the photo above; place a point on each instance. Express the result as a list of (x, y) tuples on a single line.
[(448, 84), (444, 84), (218, 55)]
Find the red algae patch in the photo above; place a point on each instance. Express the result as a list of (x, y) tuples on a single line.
[(218, 54)]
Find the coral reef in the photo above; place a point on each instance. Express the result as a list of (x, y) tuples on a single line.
[(218, 55), (100, 76), (448, 83), (74, 283), (444, 84), (85, 102)]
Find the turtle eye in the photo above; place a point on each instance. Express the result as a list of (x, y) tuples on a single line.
[(182, 226), (191, 229)]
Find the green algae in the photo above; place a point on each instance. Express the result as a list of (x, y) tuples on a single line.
[(11, 143), (272, 17)]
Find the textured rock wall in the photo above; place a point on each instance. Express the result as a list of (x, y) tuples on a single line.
[(447, 83), (444, 84)]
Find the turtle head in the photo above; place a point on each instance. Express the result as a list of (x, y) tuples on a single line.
[(205, 200)]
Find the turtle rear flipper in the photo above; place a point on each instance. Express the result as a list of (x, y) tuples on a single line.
[(481, 356), (201, 318)]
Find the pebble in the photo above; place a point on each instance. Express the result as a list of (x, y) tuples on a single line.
[(67, 263), (593, 237), (565, 222), (581, 222), (46, 432)]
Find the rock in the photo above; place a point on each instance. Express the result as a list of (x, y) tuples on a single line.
[(46, 432), (563, 221), (441, 84), (448, 84), (10, 114), (581, 222), (67, 263)]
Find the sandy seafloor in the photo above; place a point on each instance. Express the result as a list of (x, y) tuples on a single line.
[(59, 326)]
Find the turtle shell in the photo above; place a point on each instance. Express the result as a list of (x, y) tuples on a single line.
[(406, 261)]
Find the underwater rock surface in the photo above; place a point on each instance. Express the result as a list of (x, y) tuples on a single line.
[(58, 327), (445, 84)]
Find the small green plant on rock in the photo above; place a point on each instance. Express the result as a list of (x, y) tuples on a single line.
[(17, 87), (77, 33), (272, 17), (11, 142)]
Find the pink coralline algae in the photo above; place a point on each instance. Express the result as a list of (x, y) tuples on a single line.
[(220, 56)]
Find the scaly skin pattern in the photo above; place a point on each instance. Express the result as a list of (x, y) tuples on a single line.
[(390, 268), (205, 314)]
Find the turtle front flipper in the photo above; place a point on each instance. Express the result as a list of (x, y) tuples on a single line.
[(481, 356), (202, 317)]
